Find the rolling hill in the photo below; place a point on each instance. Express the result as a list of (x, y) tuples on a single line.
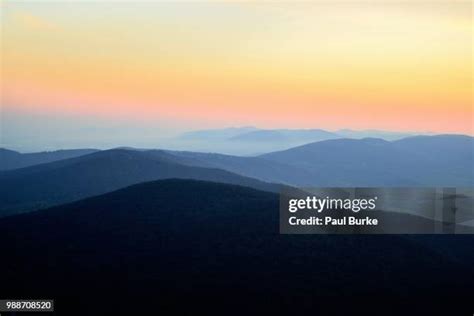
[(10, 159), (187, 246), (68, 180), (442, 160), (254, 167)]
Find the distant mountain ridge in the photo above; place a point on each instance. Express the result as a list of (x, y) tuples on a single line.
[(10, 159), (302, 135), (443, 160), (253, 134), (215, 134), (371, 133), (414, 161), (251, 141)]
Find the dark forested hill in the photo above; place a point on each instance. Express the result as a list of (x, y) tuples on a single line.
[(190, 246)]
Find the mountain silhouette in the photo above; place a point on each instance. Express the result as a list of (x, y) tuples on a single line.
[(443, 160), (217, 134), (256, 141), (252, 134), (97, 173), (10, 159), (371, 133), (255, 167), (285, 135), (188, 246)]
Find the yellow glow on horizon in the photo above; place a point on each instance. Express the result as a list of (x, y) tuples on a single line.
[(241, 62)]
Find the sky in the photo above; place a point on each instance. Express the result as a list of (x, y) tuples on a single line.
[(87, 72)]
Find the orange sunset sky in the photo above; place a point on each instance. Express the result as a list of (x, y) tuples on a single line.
[(391, 65)]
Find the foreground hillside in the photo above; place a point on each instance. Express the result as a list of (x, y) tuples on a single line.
[(187, 246)]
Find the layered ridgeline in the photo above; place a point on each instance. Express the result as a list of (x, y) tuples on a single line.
[(10, 159), (180, 245), (253, 134), (445, 160), (68, 180), (252, 140)]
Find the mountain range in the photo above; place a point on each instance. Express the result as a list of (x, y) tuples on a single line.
[(415, 161), (218, 134), (249, 140), (442, 160), (72, 179), (10, 159), (254, 134), (127, 230)]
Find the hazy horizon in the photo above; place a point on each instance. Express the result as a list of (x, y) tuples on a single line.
[(106, 74), (148, 137)]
